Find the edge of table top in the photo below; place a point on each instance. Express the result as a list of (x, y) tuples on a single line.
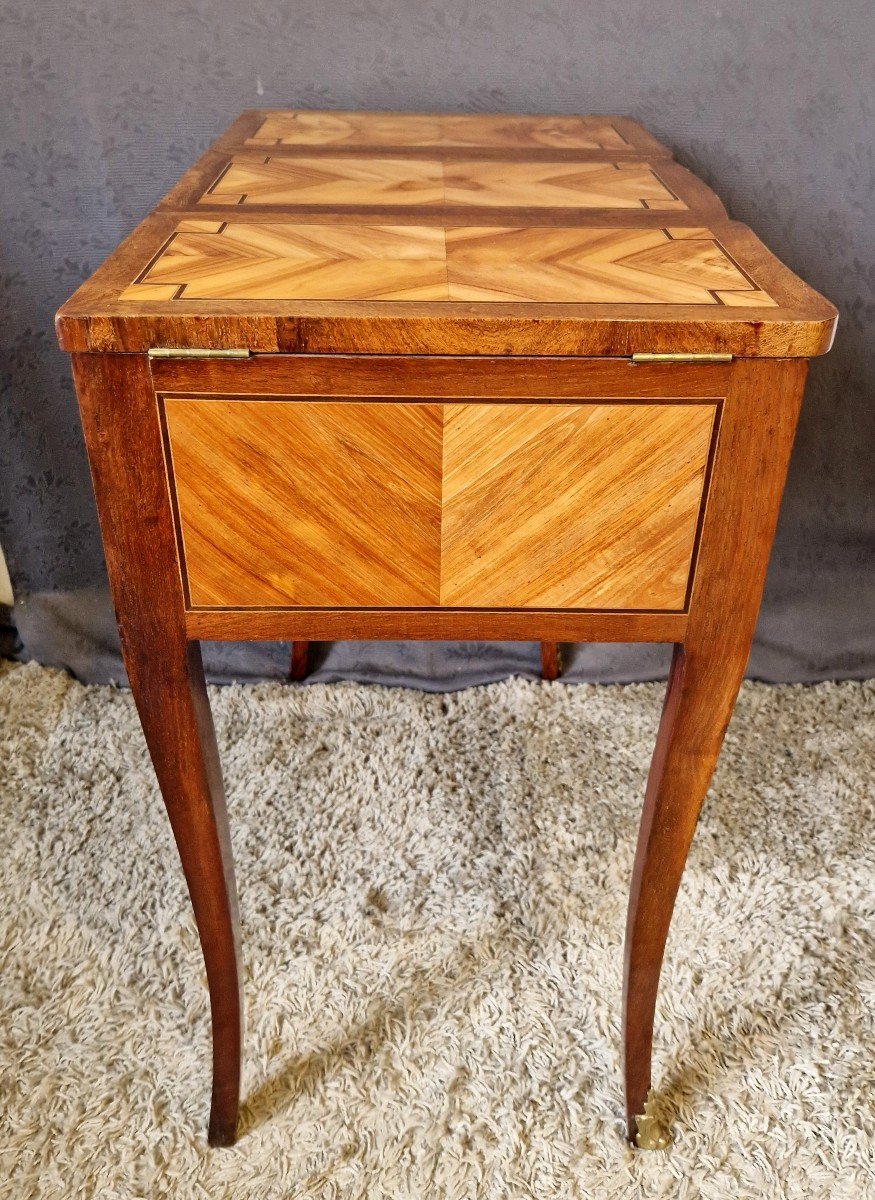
[(638, 140), (800, 322)]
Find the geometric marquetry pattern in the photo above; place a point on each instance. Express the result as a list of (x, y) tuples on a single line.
[(285, 260), (446, 129), (351, 503), (328, 181), (415, 181)]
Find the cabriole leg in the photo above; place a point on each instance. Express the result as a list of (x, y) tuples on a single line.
[(119, 416), (688, 743), (749, 467)]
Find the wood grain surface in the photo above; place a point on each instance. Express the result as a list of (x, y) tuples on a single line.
[(583, 506), (348, 504), (357, 181), (239, 261), (331, 505), (306, 128), (385, 233)]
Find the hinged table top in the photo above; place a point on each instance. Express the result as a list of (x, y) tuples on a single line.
[(338, 232)]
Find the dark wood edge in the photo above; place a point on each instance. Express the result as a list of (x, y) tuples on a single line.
[(358, 624), (207, 395), (745, 335), (170, 477), (639, 136), (241, 128), (458, 216), (454, 377), (479, 153)]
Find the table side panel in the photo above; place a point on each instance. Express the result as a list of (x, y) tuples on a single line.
[(308, 503), (341, 503)]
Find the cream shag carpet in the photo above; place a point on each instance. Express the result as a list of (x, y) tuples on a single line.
[(433, 893)]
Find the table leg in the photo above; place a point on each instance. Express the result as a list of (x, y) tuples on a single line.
[(299, 663), (747, 477), (174, 711), (551, 662), (120, 419), (690, 734)]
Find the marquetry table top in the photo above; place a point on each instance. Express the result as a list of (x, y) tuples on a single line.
[(444, 233)]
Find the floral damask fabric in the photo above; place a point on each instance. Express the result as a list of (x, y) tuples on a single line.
[(104, 104)]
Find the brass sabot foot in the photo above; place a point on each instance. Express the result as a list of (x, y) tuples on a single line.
[(651, 1132)]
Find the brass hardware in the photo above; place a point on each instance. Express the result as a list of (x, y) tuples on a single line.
[(191, 352), (651, 1133), (698, 358)]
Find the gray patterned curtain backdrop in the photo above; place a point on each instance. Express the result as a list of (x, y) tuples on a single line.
[(104, 104)]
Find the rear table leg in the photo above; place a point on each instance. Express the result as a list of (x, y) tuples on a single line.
[(551, 661), (299, 665)]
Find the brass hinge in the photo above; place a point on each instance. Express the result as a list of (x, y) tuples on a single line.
[(189, 352), (674, 358)]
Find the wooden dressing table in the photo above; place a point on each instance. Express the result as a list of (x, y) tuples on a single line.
[(374, 375)]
